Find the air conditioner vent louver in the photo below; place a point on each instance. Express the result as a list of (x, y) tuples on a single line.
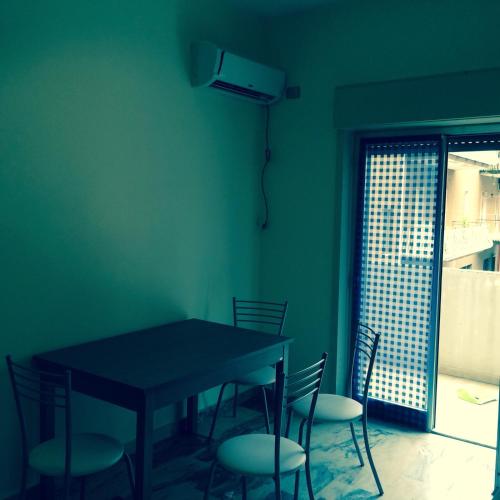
[(242, 91)]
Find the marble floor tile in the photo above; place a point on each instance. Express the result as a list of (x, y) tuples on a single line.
[(412, 466)]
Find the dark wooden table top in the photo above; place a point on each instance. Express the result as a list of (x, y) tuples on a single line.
[(162, 355)]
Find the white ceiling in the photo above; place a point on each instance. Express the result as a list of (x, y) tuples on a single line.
[(279, 7)]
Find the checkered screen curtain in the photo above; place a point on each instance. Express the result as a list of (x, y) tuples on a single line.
[(395, 268)]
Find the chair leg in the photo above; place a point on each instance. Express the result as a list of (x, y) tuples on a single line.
[(82, 488), (210, 479), (24, 476), (308, 478), (297, 485), (244, 488), (266, 411), (217, 407), (130, 473), (277, 487), (66, 487), (288, 423), (307, 464), (235, 401), (358, 451), (370, 459)]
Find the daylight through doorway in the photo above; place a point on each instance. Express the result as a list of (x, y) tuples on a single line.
[(469, 334)]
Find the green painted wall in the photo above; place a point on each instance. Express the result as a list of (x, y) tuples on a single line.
[(470, 96), (349, 43), (127, 198)]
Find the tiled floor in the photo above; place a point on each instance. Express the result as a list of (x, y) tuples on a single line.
[(465, 420), (412, 466)]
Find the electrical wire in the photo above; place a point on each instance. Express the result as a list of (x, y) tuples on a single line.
[(267, 159)]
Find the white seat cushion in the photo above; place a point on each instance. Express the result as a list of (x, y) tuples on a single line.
[(263, 376), (253, 455), (90, 453), (331, 408)]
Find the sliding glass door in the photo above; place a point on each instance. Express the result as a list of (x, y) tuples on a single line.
[(397, 271)]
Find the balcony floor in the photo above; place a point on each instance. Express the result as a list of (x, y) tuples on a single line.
[(459, 418)]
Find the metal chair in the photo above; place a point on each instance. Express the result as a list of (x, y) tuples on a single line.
[(268, 455), (334, 408), (269, 316), (74, 455)]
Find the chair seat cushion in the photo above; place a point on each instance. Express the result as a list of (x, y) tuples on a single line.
[(253, 454), (263, 376), (331, 408), (90, 453)]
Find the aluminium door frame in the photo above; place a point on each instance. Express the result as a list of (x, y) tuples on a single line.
[(437, 273), (444, 132)]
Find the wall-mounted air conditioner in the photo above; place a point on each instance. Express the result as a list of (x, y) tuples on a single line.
[(232, 74)]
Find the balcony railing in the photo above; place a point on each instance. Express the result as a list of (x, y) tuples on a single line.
[(493, 225), (466, 239)]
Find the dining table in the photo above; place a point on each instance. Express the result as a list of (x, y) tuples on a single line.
[(151, 368)]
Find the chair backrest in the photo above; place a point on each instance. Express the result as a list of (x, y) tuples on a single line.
[(363, 359), (289, 390), (268, 316), (51, 390)]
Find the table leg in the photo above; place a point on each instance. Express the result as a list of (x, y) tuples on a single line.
[(192, 415), (282, 365), (47, 431), (144, 452)]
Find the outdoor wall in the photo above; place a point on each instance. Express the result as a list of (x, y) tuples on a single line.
[(469, 341), (470, 196), (491, 190), (128, 198), (348, 43), (463, 196)]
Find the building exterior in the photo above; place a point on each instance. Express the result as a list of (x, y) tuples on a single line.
[(472, 222)]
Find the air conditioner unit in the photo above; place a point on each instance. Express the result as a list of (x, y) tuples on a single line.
[(221, 70)]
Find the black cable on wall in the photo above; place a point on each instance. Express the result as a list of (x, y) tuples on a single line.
[(267, 159)]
